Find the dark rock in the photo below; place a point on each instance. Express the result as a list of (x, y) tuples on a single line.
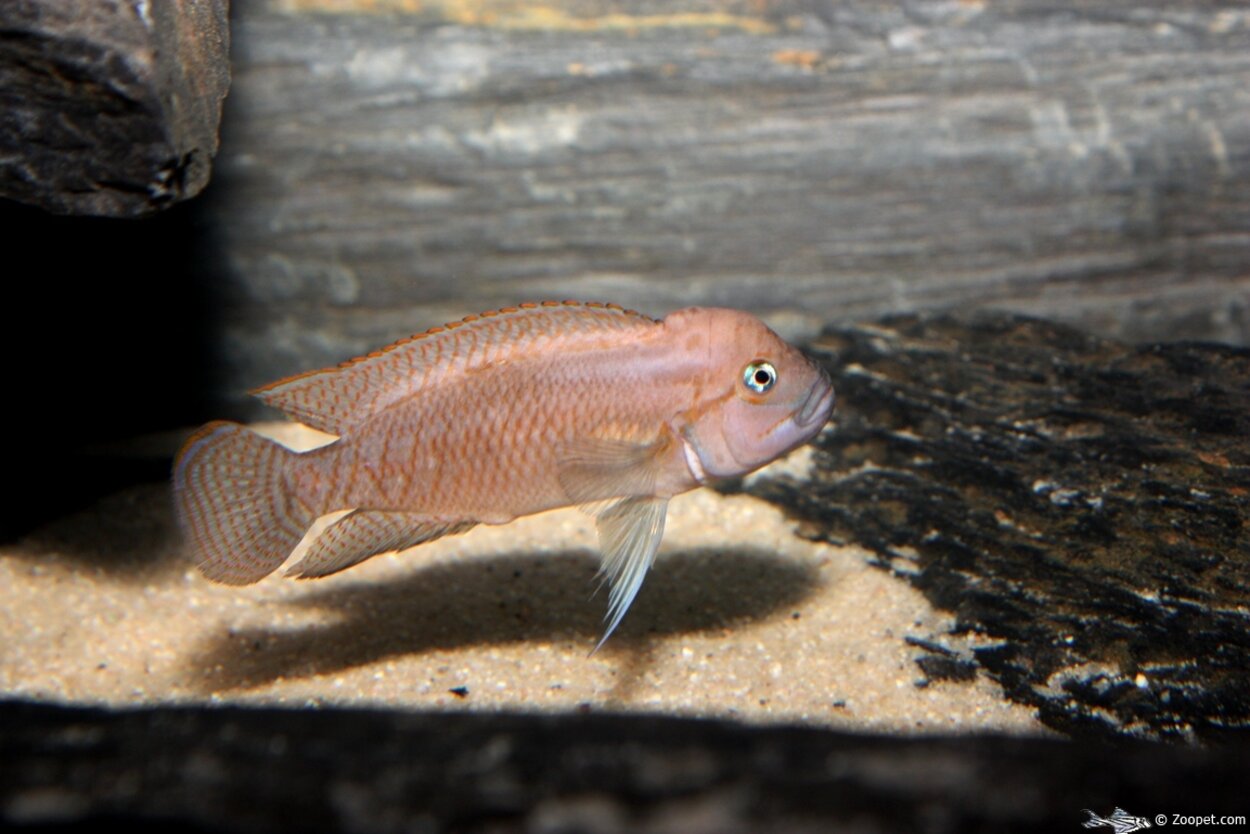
[(269, 770), (941, 663), (110, 108), (1082, 505)]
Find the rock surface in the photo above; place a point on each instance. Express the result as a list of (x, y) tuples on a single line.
[(1083, 502), (274, 771), (389, 166), (110, 108)]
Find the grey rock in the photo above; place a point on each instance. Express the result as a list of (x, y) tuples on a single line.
[(815, 162)]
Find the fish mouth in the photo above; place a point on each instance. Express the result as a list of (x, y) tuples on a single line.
[(818, 405)]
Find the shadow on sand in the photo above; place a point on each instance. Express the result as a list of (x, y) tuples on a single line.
[(128, 535), (506, 599)]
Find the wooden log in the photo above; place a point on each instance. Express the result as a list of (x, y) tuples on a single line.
[(110, 108), (1083, 507), (386, 170)]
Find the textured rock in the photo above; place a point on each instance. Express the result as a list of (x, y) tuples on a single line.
[(1081, 505), (272, 771), (814, 161), (110, 107)]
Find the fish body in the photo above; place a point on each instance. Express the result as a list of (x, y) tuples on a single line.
[(502, 415), (1119, 821)]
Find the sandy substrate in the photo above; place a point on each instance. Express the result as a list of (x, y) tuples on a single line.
[(739, 619)]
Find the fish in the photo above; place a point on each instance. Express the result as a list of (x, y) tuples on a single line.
[(500, 415), (1119, 821)]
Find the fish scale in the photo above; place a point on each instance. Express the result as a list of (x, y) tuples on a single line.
[(500, 415)]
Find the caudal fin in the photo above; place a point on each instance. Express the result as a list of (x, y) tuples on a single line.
[(233, 505)]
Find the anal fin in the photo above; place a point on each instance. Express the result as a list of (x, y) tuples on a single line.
[(629, 535), (362, 534)]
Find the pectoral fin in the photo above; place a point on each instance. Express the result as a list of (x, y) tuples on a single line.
[(366, 533), (594, 469), (629, 535)]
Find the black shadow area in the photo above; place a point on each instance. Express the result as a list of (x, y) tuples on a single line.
[(129, 535), (106, 329), (504, 600)]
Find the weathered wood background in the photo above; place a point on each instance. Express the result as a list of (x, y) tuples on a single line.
[(388, 165)]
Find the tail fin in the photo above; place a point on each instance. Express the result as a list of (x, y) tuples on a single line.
[(233, 505)]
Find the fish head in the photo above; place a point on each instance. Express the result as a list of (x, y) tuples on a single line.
[(757, 397)]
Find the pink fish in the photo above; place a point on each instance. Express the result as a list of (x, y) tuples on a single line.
[(497, 416)]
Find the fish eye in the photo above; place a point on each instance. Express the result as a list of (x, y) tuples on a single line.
[(759, 376)]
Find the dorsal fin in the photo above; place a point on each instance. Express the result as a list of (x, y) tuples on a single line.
[(335, 399)]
